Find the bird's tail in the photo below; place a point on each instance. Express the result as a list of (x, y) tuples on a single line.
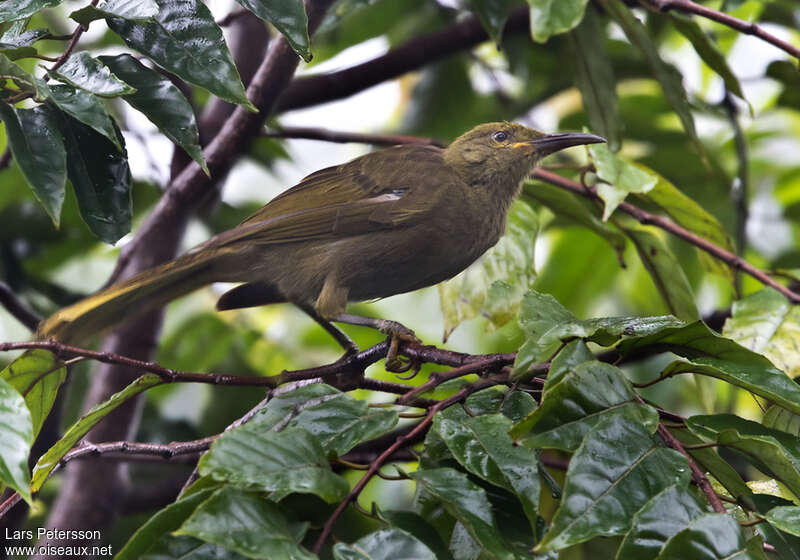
[(151, 289)]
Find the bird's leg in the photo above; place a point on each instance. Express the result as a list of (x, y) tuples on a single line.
[(395, 330), (338, 334)]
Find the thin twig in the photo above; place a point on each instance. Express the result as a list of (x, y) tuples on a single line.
[(17, 308), (73, 41), (689, 7), (647, 218), (324, 134)]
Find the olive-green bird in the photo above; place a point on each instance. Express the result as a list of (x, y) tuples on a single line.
[(388, 222)]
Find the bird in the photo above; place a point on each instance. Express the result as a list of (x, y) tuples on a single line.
[(388, 222)]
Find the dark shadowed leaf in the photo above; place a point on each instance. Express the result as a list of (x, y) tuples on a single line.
[(161, 102), (466, 502), (185, 40), (85, 107), (492, 15), (667, 513), (584, 397), (617, 469), (551, 17), (712, 536), (37, 375), (136, 10), (19, 9), (243, 522), (288, 17), (16, 438), (169, 547), (767, 323), (386, 544), (101, 177), (288, 461), (83, 71), (38, 149), (52, 456)]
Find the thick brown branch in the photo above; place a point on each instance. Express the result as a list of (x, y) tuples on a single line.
[(647, 218), (17, 308)]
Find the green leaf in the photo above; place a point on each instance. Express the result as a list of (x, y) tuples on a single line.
[(36, 375), (785, 518), (688, 213), (767, 323), (493, 15), (594, 77), (576, 209), (708, 51), (134, 10), (101, 177), (494, 285), (19, 9), (288, 17), (39, 151), (482, 445), (781, 419), (83, 71), (621, 178), (608, 482), (16, 438), (47, 462), (161, 102), (338, 421), (712, 536), (665, 270), (667, 513), (786, 73), (163, 522), (418, 526), (568, 358), (243, 522), (668, 76), (466, 502), (169, 547), (85, 107), (582, 399), (552, 17), (386, 544), (16, 41), (288, 461), (771, 451), (711, 354), (787, 546), (185, 40)]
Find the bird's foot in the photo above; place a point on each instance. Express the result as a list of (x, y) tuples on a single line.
[(398, 333)]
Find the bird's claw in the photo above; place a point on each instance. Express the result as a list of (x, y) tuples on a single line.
[(397, 334)]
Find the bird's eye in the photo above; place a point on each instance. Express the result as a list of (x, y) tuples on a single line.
[(500, 136)]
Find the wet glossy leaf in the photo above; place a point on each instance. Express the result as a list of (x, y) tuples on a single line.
[(83, 71), (52, 456), (245, 523), (583, 397), (572, 355), (617, 469), (163, 522), (135, 10), (288, 461), (288, 17), (482, 445), (551, 17), (466, 502), (101, 177), (37, 375), (621, 177), (594, 77), (494, 285), (17, 40), (712, 536), (38, 149), (85, 107), (418, 526), (771, 451), (185, 40), (16, 438), (161, 102), (18, 9), (711, 354), (386, 544), (786, 518), (667, 513), (492, 15), (767, 323)]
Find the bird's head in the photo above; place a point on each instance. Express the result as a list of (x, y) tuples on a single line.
[(505, 151)]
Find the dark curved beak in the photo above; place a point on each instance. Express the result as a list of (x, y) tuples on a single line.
[(551, 143)]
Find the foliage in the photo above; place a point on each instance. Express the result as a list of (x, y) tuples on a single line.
[(565, 426)]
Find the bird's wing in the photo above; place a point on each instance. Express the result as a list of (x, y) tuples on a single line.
[(387, 189)]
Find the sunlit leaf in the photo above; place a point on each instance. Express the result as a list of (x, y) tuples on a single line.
[(37, 375), (621, 178), (16, 438)]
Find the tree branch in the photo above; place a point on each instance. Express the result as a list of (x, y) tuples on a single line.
[(345, 137), (17, 308)]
